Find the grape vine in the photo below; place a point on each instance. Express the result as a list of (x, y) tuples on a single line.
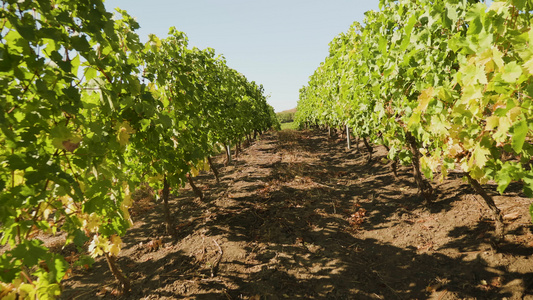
[(87, 113), (444, 85)]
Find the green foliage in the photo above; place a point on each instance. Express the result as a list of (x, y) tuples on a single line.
[(286, 116), (289, 125), (86, 113), (456, 75)]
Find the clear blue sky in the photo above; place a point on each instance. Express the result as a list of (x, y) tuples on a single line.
[(277, 43)]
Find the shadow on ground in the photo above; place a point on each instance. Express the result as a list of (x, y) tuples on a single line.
[(298, 216)]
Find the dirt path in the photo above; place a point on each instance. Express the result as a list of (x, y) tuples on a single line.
[(300, 217)]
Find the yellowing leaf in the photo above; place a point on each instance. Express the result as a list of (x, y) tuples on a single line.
[(414, 119), (205, 165), (18, 179), (528, 65), (439, 126), (127, 202), (155, 179), (497, 57), (124, 132), (45, 211), (116, 244), (126, 215), (454, 149), (479, 156), (513, 113), (503, 130), (492, 122), (92, 222), (471, 93), (424, 98), (490, 67), (464, 165), (97, 246), (484, 57), (498, 6), (474, 74), (431, 162)]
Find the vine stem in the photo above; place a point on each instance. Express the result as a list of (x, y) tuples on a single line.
[(24, 273), (105, 74), (499, 231), (213, 168), (369, 148), (125, 284), (425, 188), (196, 190), (34, 219)]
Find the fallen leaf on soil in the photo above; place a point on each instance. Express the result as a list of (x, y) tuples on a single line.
[(357, 218), (152, 245), (68, 273)]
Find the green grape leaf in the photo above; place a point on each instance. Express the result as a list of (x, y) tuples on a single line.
[(528, 185), (30, 252), (506, 175), (90, 73), (425, 97), (57, 267), (16, 162), (9, 270), (80, 43), (520, 131)]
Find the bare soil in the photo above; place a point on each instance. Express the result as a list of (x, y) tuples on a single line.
[(298, 216)]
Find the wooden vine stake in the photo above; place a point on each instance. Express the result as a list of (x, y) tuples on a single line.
[(228, 154), (348, 142), (166, 192)]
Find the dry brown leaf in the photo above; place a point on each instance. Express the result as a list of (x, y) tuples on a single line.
[(152, 245)]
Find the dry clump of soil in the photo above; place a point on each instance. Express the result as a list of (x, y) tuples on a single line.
[(298, 216)]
